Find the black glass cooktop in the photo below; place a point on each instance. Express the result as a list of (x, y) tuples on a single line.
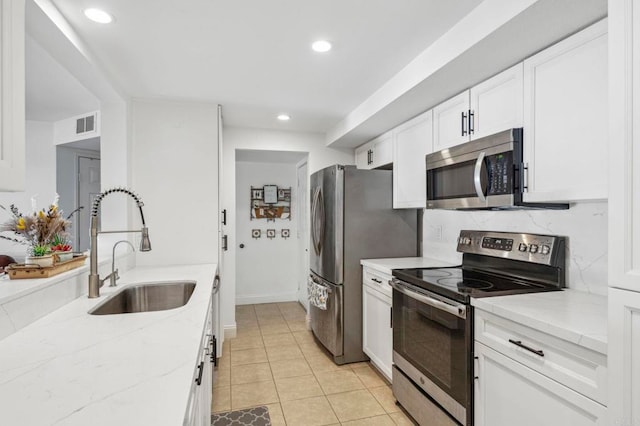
[(461, 283)]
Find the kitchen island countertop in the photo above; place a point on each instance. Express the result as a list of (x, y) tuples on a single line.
[(72, 368)]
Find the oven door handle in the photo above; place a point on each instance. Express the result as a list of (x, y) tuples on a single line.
[(458, 310), (477, 182)]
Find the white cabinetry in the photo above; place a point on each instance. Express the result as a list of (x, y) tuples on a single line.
[(565, 118), (199, 406), (377, 332), (412, 141), (490, 107), (624, 213), (527, 377), (375, 153), (12, 95)]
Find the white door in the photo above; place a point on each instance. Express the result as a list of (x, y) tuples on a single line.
[(88, 189), (496, 104), (566, 118), (451, 122), (507, 393), (377, 332), (412, 141), (303, 231)]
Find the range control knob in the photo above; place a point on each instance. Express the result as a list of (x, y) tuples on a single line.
[(533, 248), (522, 247), (545, 249)]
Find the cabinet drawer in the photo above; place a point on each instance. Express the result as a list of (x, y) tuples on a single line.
[(578, 368), (377, 280)]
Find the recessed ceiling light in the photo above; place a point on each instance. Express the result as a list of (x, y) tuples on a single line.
[(321, 46), (284, 117), (99, 16)]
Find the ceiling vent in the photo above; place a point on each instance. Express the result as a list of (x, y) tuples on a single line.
[(86, 124)]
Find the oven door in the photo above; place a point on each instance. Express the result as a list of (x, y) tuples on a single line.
[(432, 338)]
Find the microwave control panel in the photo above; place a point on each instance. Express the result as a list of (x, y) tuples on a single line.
[(534, 248), (500, 173)]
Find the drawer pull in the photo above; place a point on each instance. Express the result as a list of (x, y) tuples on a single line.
[(519, 343), (375, 280)]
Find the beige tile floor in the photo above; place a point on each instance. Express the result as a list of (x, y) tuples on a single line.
[(275, 361)]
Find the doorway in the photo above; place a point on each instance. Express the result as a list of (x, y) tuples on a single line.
[(267, 244), (303, 231)]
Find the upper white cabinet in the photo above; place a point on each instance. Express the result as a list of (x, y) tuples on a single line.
[(412, 141), (566, 119), (12, 95), (375, 153), (450, 122), (496, 104), (624, 212), (490, 107)]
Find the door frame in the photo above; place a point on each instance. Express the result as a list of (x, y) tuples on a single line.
[(303, 224), (78, 154)]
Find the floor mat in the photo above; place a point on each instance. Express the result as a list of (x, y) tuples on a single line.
[(258, 416)]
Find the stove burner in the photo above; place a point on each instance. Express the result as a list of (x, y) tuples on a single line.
[(465, 285), (436, 273)]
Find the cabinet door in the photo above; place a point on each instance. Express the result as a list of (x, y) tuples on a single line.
[(624, 145), (363, 156), (12, 95), (507, 393), (382, 151), (624, 357), (451, 122), (377, 336), (565, 118), (412, 141), (496, 104)]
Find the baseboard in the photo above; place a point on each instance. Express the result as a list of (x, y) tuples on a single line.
[(266, 298), (230, 331)]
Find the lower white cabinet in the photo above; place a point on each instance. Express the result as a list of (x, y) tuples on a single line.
[(377, 332), (199, 405), (507, 393), (526, 377)]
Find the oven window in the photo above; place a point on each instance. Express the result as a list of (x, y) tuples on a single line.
[(435, 342)]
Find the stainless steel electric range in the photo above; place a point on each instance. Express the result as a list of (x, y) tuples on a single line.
[(433, 318)]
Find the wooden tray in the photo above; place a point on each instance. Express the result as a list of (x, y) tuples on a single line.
[(18, 271)]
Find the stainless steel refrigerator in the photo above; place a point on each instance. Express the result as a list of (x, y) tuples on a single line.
[(351, 219)]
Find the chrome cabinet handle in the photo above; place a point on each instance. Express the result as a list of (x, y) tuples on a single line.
[(477, 182), (463, 118), (458, 310), (519, 343), (200, 370), (471, 122)]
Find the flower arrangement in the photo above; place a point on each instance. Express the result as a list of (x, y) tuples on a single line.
[(39, 230)]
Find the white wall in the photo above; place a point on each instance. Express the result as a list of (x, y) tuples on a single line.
[(320, 156), (174, 166), (40, 181), (584, 223), (264, 267)]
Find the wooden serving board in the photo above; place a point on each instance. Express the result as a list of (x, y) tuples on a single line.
[(18, 271)]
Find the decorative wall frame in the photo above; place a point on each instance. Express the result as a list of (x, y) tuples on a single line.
[(285, 233), (271, 233), (256, 233), (270, 202)]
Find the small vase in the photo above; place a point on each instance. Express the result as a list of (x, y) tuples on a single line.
[(42, 261)]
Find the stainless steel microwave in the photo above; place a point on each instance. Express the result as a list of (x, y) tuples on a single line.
[(487, 173)]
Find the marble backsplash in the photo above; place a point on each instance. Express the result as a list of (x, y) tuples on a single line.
[(585, 225)]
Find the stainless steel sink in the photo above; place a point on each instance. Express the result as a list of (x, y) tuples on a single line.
[(147, 297)]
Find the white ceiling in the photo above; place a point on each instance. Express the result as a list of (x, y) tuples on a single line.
[(254, 56)]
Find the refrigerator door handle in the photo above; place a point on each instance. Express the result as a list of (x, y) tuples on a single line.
[(317, 226)]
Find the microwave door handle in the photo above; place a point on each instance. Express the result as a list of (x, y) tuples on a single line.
[(477, 182), (458, 310)]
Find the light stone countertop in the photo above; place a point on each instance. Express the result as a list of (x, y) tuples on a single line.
[(573, 315), (72, 368), (386, 265)]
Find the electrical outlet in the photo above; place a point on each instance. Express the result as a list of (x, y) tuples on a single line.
[(437, 231)]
